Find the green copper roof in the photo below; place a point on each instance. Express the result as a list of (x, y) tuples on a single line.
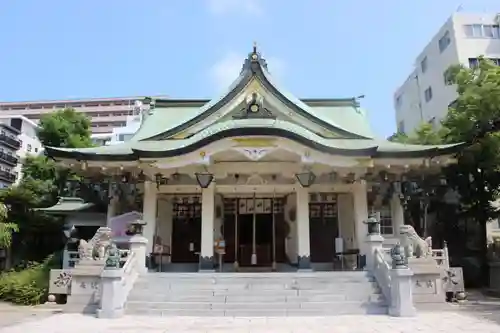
[(164, 119), (134, 150), (340, 126), (169, 119), (68, 205)]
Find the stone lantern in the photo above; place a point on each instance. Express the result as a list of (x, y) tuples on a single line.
[(373, 224), (136, 228)]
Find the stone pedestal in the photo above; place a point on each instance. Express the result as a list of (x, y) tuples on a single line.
[(401, 293), (427, 280), (85, 286), (112, 298), (138, 245), (372, 243)]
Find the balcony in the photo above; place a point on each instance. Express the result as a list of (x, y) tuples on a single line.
[(8, 159), (7, 176), (14, 143)]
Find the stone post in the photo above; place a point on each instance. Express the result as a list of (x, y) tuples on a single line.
[(372, 243), (112, 299), (138, 245), (401, 293)]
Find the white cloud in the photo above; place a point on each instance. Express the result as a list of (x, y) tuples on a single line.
[(227, 69), (220, 7)]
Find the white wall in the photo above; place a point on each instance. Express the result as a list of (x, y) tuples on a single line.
[(30, 145), (460, 50)]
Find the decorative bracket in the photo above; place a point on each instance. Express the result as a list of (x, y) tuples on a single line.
[(254, 154)]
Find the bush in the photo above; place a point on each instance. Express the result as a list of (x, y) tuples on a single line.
[(30, 285)]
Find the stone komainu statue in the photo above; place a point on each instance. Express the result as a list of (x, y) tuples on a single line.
[(113, 256), (96, 247), (414, 245)]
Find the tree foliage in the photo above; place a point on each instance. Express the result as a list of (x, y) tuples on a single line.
[(473, 118), (6, 228), (65, 128), (425, 134), (42, 182)]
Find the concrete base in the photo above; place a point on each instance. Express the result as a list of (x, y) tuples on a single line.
[(110, 314)]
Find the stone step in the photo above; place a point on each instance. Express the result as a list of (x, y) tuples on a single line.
[(244, 305), (249, 298), (254, 285), (272, 275), (243, 280), (256, 294), (320, 310)]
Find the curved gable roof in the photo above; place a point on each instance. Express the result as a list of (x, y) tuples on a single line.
[(165, 123)]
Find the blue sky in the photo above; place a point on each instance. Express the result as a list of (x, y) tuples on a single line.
[(58, 49)]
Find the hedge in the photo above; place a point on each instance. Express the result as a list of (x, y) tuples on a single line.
[(28, 286)]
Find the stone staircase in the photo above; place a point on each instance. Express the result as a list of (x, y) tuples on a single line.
[(255, 294)]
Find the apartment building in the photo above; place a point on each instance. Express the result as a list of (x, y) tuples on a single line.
[(17, 140), (425, 94), (9, 144), (105, 113)]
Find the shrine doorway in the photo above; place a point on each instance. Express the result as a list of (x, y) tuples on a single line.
[(186, 230), (254, 230), (323, 226)]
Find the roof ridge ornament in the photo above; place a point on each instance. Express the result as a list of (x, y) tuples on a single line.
[(254, 58), (254, 108)]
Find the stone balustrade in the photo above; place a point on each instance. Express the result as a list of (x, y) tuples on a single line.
[(116, 282)]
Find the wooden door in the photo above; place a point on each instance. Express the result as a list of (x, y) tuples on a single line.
[(323, 229), (186, 232)]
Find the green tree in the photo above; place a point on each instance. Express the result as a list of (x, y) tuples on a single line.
[(473, 118), (425, 134), (6, 228), (65, 128), (42, 183)]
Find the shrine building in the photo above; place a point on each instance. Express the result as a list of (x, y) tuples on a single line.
[(275, 181)]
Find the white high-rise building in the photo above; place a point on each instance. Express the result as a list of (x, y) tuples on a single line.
[(17, 140), (425, 94)]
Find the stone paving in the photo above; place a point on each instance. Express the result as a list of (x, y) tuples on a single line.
[(436, 322), (12, 314)]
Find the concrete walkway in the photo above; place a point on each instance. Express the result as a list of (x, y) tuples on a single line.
[(453, 322), (15, 314)]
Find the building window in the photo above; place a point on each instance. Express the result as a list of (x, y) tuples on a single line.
[(386, 227), (444, 41), (28, 147), (474, 62), (491, 31), (124, 137), (36, 150), (386, 221), (423, 64), (428, 94)]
